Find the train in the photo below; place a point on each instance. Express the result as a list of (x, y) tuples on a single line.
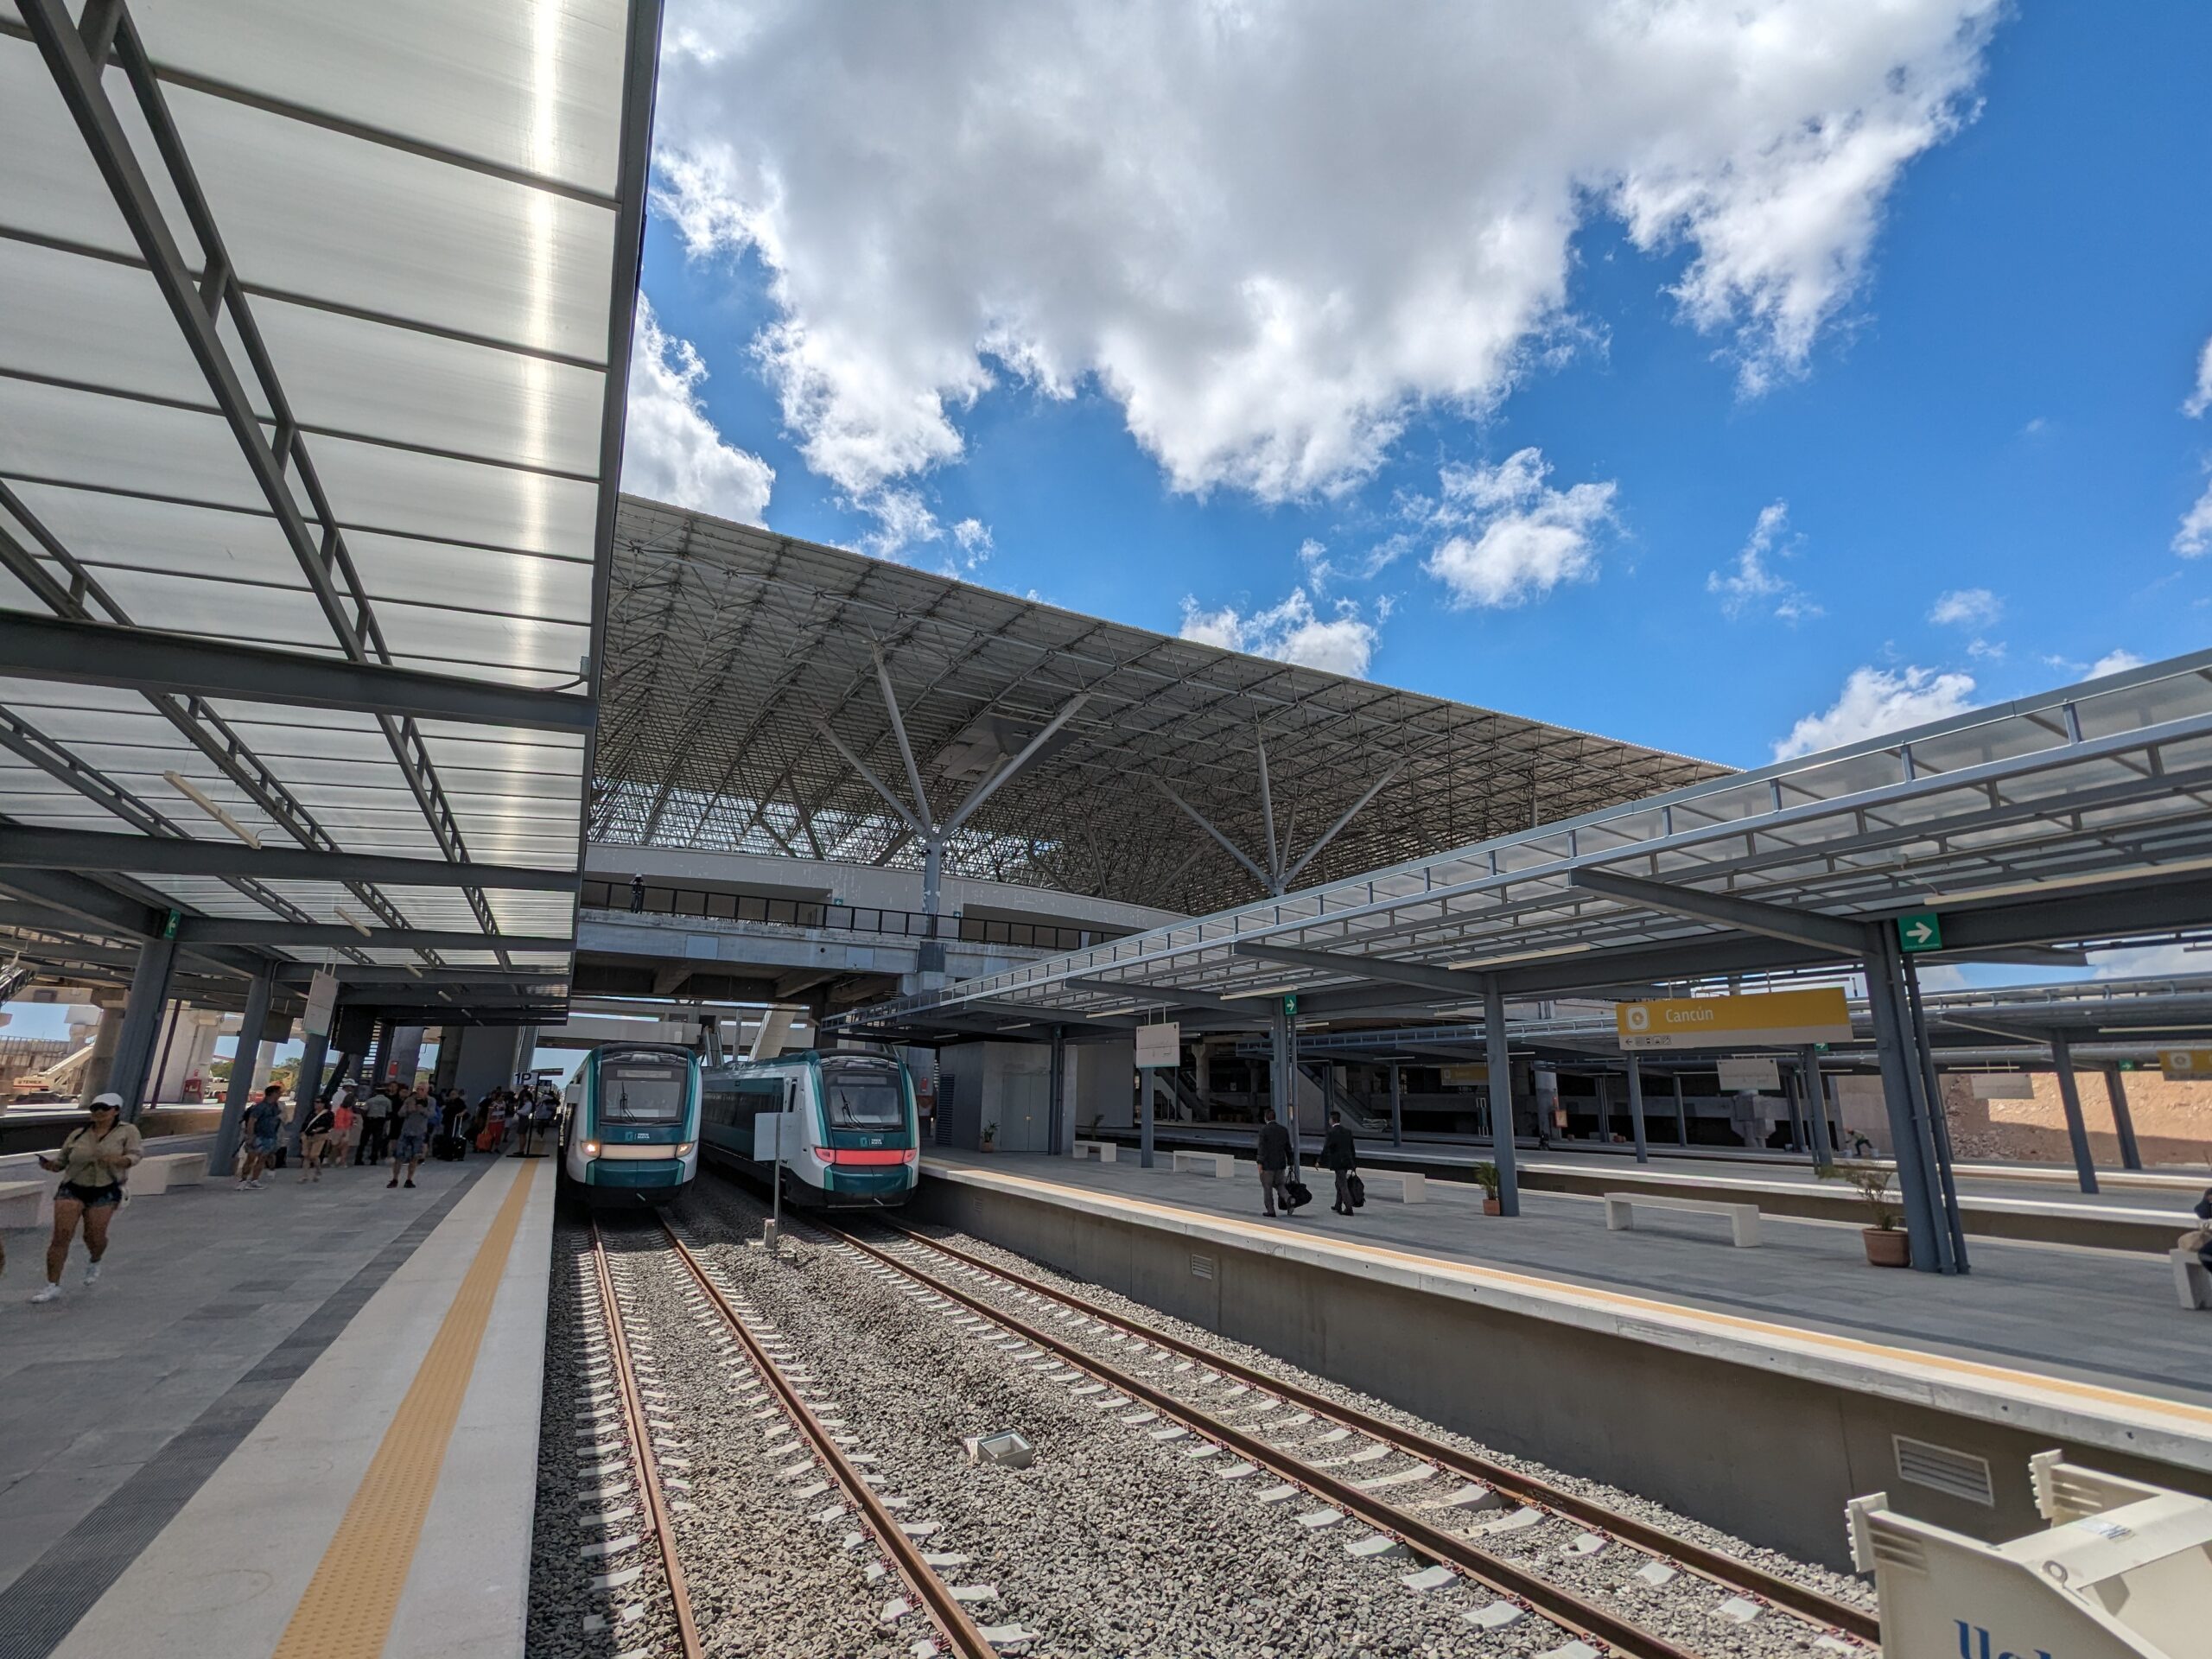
[(630, 1129), (851, 1136)]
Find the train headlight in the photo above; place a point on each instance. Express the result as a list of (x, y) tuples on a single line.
[(591, 1148), (683, 1149)]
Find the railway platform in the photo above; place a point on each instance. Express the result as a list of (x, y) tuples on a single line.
[(296, 1421), (1664, 1359)]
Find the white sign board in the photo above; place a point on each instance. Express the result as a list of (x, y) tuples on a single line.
[(1160, 1045), (2003, 1085), (322, 1003), (765, 1127), (1749, 1077)]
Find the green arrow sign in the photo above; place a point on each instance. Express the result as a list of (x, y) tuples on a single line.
[(1290, 1004), (1921, 931)]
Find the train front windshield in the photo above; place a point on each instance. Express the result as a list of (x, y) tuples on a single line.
[(863, 1098), (642, 1088)]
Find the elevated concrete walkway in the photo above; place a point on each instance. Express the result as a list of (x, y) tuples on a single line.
[(283, 1413)]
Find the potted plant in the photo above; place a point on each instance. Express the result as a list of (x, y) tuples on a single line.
[(1486, 1178), (1887, 1245)]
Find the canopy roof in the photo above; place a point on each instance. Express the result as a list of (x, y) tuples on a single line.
[(2080, 818), (731, 648), (313, 357)]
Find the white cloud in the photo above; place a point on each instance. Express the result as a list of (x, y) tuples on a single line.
[(1987, 650), (1515, 538), (1876, 701), (1972, 607), (2194, 539), (973, 535), (903, 520), (1271, 234), (2201, 399), (1292, 632), (2147, 961), (671, 450), (1755, 584), (2114, 662)]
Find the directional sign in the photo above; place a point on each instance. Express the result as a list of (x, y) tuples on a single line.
[(1921, 931), (1749, 1077), (1781, 1018), (1463, 1074), (2195, 1063), (1160, 1045), (1290, 1004)]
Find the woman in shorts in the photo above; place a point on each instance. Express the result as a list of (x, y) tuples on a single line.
[(93, 1161), (315, 1137)]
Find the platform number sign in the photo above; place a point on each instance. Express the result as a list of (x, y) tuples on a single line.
[(1921, 931)]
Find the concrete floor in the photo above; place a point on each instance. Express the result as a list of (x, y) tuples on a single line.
[(2101, 1317)]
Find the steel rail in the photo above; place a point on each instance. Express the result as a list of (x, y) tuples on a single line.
[(634, 1410), (1574, 1613), (1532, 1491), (932, 1591)]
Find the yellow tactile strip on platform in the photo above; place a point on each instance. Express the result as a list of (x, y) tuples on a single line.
[(346, 1612)]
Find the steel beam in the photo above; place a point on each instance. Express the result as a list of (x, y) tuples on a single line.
[(905, 749), (1331, 833), (1451, 982), (2123, 1119), (318, 936), (1263, 877), (25, 848), (1808, 928), (148, 659), (2077, 1127), (984, 791)]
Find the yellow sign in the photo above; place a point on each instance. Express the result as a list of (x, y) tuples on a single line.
[(2195, 1063), (1464, 1074), (1777, 1017)]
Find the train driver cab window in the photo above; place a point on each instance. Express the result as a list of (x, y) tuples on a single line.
[(642, 1088), (863, 1096)]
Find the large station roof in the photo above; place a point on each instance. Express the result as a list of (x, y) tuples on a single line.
[(2033, 830), (312, 368), (730, 649)]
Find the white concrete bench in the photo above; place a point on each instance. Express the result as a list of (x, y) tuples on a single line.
[(2192, 1282), (156, 1173), (1103, 1150), (20, 1202), (1743, 1218), (1411, 1186), (1220, 1164)]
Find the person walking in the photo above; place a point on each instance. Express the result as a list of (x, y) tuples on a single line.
[(414, 1137), (637, 895), (375, 1125), (1273, 1155), (315, 1138), (345, 1125), (262, 1128), (93, 1160), (1340, 1153)]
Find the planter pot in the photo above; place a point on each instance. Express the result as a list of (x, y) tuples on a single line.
[(1890, 1248), (1492, 1207)]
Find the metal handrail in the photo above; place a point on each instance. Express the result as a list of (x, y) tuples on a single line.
[(664, 899)]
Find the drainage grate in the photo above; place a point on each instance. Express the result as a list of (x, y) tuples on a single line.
[(1960, 1473), (1201, 1266)]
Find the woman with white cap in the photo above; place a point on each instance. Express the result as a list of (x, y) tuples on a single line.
[(92, 1160)]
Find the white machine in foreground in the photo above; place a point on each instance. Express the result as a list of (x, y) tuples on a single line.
[(2124, 1572)]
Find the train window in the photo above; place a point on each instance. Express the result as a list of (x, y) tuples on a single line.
[(862, 1097), (642, 1089)]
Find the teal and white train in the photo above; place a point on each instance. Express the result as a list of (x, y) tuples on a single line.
[(631, 1126), (852, 1138)]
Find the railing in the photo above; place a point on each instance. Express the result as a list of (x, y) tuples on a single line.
[(658, 899)]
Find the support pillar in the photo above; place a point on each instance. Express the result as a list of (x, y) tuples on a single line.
[(142, 1023), (242, 1064), (308, 1089), (101, 1065), (2077, 1129), (1816, 1105), (1501, 1097), (1147, 1084), (1939, 1120), (1062, 1132), (1682, 1113), (2123, 1120), (1636, 1109), (1282, 1076), (1397, 1109), (403, 1054), (1912, 1143)]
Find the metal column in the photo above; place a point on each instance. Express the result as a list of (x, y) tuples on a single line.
[(1501, 1097), (1057, 1111), (1791, 1101), (1911, 1142), (2123, 1120), (309, 1086), (243, 1064), (1939, 1120), (1682, 1113), (142, 1023), (2077, 1129), (1282, 1073), (1397, 1109), (1816, 1103), (1147, 1083), (1636, 1109)]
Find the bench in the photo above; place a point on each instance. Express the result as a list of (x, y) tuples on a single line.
[(1412, 1186), (2192, 1281), (20, 1202), (1743, 1218), (155, 1173), (1221, 1165), (1103, 1150)]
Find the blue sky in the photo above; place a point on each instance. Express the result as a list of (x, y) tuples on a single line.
[(1988, 402)]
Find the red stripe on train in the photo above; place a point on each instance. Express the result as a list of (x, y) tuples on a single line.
[(870, 1154)]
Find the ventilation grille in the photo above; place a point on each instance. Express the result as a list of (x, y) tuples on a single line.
[(1938, 1467), (1201, 1266)]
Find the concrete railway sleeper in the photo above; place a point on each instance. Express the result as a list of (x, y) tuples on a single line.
[(1745, 1577), (1516, 1585)]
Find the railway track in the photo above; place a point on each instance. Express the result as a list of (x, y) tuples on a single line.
[(1833, 1624), (957, 1633)]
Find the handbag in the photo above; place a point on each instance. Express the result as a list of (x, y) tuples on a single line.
[(1299, 1193), (1357, 1190)]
